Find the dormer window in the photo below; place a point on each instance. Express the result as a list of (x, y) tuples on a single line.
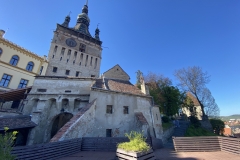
[(82, 47)]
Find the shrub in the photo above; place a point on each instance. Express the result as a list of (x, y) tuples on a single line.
[(137, 143), (194, 121), (6, 143), (192, 132), (218, 126), (165, 119)]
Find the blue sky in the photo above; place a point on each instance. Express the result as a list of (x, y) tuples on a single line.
[(160, 36)]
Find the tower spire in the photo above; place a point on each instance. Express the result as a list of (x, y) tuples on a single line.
[(86, 2)]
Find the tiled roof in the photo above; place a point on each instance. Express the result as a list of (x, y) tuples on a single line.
[(117, 85), (193, 98), (16, 122), (141, 118)]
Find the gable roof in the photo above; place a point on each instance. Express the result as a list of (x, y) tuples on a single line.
[(116, 72), (117, 85), (193, 98)]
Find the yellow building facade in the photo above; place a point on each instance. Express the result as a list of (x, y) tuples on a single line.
[(18, 66)]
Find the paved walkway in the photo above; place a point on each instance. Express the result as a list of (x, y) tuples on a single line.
[(161, 154)]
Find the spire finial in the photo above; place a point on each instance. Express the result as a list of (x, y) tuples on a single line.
[(87, 3), (69, 13)]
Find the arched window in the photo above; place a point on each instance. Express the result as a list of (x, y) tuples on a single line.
[(14, 60), (29, 66)]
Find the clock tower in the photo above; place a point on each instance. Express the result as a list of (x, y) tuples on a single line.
[(74, 52)]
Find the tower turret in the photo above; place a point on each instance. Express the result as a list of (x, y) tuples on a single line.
[(66, 21), (97, 34)]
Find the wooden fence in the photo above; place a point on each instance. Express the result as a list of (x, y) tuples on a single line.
[(52, 150), (60, 149), (207, 144), (104, 143)]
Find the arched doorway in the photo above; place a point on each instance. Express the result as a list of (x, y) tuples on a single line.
[(59, 121)]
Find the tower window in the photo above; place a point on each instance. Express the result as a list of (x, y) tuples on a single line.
[(55, 69), (67, 72), (73, 61), (86, 60), (55, 49), (14, 60), (23, 83), (29, 66), (92, 75), (109, 109), (82, 47), (62, 51), (60, 58), (125, 109), (1, 51), (81, 57), (69, 52), (95, 65), (77, 74), (41, 69), (52, 56), (5, 80), (75, 54), (67, 60), (91, 61), (108, 132)]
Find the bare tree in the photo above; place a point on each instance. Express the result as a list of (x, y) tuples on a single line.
[(194, 80)]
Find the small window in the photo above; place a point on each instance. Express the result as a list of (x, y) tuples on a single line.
[(109, 109), (23, 83), (73, 61), (52, 56), (75, 54), (62, 51), (92, 75), (69, 52), (60, 58), (125, 109), (68, 91), (86, 60), (5, 80), (14, 60), (157, 116), (42, 90), (91, 61), (81, 57), (67, 60), (30, 66), (108, 132), (41, 69), (67, 72), (77, 74), (1, 51), (95, 65), (55, 69), (82, 47), (55, 49)]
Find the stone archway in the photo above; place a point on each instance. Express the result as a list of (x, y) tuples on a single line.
[(59, 121)]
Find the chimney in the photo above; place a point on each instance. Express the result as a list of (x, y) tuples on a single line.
[(2, 32)]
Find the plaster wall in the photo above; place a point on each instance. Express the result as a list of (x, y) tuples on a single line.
[(74, 63), (198, 111)]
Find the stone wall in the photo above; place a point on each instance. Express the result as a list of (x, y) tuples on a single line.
[(167, 134)]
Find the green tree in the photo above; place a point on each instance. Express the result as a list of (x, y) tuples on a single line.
[(168, 97), (6, 144), (218, 126)]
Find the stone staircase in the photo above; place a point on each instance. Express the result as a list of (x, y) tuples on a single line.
[(178, 132)]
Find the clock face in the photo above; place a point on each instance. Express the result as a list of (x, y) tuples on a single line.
[(1, 51), (71, 42)]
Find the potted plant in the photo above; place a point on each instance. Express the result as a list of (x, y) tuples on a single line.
[(136, 148)]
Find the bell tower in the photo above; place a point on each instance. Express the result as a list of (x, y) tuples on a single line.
[(74, 52)]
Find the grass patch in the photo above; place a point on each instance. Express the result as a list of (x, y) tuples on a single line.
[(137, 143), (192, 132), (166, 126)]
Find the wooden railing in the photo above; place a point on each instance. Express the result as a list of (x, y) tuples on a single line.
[(207, 144), (104, 143), (52, 150), (55, 150)]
